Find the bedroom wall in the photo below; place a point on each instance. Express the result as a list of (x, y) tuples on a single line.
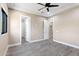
[(36, 25), (4, 37), (66, 27)]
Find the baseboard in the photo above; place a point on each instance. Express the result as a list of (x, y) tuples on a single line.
[(12, 45), (5, 52), (35, 41), (67, 44)]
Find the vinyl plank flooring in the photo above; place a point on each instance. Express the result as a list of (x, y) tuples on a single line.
[(43, 48)]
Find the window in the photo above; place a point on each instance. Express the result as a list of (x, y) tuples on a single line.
[(4, 22)]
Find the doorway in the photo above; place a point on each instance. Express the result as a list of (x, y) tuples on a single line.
[(46, 29), (25, 29), (51, 31)]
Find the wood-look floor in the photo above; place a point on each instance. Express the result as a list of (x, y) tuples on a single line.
[(43, 48)]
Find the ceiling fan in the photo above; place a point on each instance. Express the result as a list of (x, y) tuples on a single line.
[(47, 6)]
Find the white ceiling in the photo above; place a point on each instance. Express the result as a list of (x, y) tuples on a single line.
[(33, 8)]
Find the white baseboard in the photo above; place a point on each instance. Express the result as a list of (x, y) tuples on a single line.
[(5, 52), (14, 45), (67, 44), (28, 41), (35, 40)]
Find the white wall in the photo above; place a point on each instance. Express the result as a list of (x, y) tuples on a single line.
[(66, 27)]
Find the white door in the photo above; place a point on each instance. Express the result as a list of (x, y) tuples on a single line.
[(46, 29)]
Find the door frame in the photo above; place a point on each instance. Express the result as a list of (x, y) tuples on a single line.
[(21, 26), (47, 32)]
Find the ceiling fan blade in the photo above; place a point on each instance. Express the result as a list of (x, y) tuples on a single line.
[(47, 4), (41, 4), (53, 5), (41, 8), (47, 9)]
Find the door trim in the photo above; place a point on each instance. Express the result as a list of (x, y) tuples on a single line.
[(21, 26)]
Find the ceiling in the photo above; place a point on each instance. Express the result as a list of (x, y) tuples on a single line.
[(33, 8)]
